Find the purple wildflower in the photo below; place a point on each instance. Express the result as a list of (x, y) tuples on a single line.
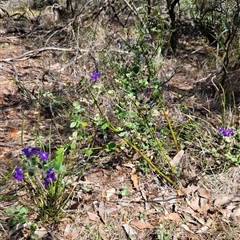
[(148, 90), (149, 39), (49, 178), (158, 134), (46, 182), (18, 174), (142, 59), (95, 75), (51, 174), (35, 151), (119, 43), (44, 156), (226, 132), (149, 103), (27, 152)]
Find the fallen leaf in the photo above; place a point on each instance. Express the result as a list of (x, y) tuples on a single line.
[(204, 193), (109, 193), (189, 189), (206, 226), (236, 214), (41, 232), (140, 224), (13, 133), (204, 205), (136, 156), (223, 199), (101, 211), (72, 235), (186, 228), (177, 159), (93, 217), (102, 232), (194, 204), (173, 217), (131, 232), (134, 178)]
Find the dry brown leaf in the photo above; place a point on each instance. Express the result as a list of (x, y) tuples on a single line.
[(190, 189), (14, 133), (131, 232), (236, 214), (223, 199), (136, 156), (204, 203), (102, 232), (109, 193), (206, 226), (41, 232), (204, 193), (140, 224), (177, 159), (186, 228), (72, 235), (93, 217), (194, 204), (134, 178), (173, 217), (101, 211)]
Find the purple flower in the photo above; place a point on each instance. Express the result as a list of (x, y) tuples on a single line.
[(35, 151), (119, 43), (149, 39), (46, 182), (142, 59), (49, 178), (148, 90), (51, 174), (158, 134), (18, 174), (149, 103), (226, 132), (95, 75), (27, 152), (44, 156)]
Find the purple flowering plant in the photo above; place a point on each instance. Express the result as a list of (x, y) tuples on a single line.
[(43, 177)]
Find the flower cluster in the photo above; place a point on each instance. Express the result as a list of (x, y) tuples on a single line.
[(31, 152), (226, 132)]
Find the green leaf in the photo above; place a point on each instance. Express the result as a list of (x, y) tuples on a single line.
[(62, 169), (122, 134), (84, 124), (105, 125), (23, 211), (122, 115), (111, 146), (73, 124), (132, 114), (88, 152)]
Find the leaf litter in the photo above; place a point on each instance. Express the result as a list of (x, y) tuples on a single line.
[(97, 205)]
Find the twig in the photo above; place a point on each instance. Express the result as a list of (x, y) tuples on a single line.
[(32, 53)]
